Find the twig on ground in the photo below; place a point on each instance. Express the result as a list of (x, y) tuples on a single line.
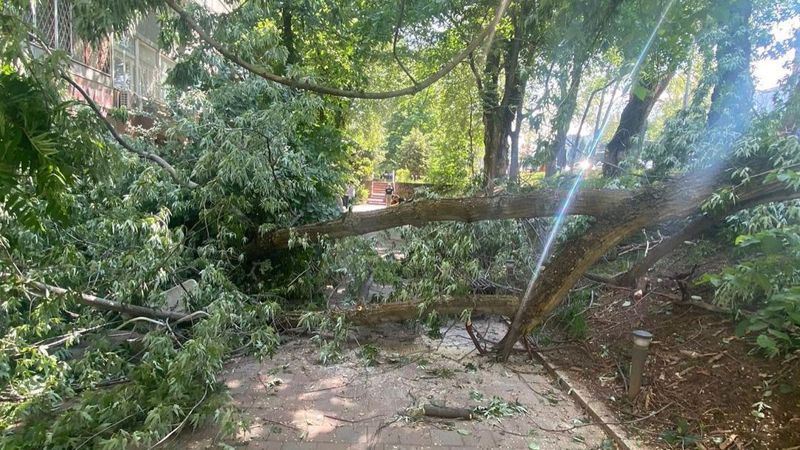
[(340, 419), (471, 333)]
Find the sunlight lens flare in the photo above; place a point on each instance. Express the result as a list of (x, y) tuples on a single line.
[(585, 165)]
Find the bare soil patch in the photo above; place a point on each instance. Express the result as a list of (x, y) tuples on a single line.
[(717, 392)]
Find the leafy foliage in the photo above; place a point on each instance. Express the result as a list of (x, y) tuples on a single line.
[(78, 212), (766, 279)]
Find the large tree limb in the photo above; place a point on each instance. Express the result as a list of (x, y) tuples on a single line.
[(262, 72), (504, 305), (677, 198), (369, 315), (541, 203), (110, 305), (691, 230)]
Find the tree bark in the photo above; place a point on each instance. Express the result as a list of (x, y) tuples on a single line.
[(632, 122), (503, 305), (513, 168), (692, 230), (677, 198), (542, 203), (498, 114), (564, 115), (287, 34), (495, 133)]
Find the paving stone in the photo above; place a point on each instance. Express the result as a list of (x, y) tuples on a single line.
[(444, 438), (299, 446), (372, 397)]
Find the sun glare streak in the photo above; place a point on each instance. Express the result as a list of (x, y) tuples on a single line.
[(585, 165)]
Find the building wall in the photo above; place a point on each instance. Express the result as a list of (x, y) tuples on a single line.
[(128, 71)]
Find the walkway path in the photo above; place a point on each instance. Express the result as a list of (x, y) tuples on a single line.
[(293, 402)]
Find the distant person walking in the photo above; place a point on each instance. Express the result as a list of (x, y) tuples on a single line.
[(389, 192), (351, 196)]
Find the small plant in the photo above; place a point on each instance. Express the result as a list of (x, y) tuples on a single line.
[(330, 350), (434, 324), (759, 409), (680, 435), (573, 315), (368, 354), (476, 395)]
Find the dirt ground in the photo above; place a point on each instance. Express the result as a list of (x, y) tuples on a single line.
[(292, 401), (715, 391)]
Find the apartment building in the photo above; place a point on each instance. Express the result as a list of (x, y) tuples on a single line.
[(126, 71)]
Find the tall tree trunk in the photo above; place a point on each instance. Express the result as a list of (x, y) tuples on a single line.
[(732, 97), (499, 114), (632, 122), (565, 112), (287, 34), (513, 168), (495, 143)]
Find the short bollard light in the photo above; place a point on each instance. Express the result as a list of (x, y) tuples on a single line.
[(641, 344)]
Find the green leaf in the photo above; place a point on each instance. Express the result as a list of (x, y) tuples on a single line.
[(766, 342)]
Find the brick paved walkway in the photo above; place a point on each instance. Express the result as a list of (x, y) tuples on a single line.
[(295, 403)]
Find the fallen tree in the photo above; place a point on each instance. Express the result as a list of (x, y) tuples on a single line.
[(676, 198), (369, 315), (542, 203)]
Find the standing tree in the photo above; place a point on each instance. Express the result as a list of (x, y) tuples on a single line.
[(413, 152)]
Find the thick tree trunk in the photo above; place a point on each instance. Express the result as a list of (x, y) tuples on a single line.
[(287, 34), (503, 305), (631, 123), (499, 114), (495, 144), (692, 230), (542, 203), (564, 115), (513, 168), (732, 97), (676, 198)]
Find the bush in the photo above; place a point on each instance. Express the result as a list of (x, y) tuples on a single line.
[(766, 279)]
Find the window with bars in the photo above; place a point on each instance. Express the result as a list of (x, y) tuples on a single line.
[(135, 63), (53, 19)]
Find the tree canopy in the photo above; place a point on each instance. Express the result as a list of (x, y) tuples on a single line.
[(274, 108)]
